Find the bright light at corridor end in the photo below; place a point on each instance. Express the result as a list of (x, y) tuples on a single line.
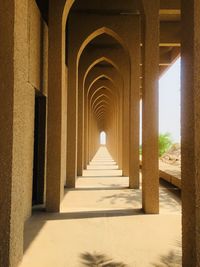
[(103, 138)]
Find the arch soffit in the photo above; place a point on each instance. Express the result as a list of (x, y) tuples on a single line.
[(98, 61), (103, 89), (97, 83), (102, 102), (103, 52), (108, 72), (102, 112), (102, 96), (98, 32)]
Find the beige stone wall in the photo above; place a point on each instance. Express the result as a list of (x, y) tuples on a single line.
[(45, 59), (37, 79), (17, 124), (28, 145), (38, 49)]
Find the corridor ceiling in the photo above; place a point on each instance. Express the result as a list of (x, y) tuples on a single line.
[(170, 16)]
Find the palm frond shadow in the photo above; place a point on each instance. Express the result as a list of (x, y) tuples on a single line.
[(99, 260), (172, 259)]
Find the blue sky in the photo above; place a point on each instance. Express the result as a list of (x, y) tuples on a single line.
[(169, 102)]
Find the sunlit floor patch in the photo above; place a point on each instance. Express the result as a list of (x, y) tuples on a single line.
[(102, 165)]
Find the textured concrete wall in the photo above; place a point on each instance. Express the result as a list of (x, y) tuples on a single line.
[(38, 49), (6, 122), (19, 77), (56, 166), (150, 173), (16, 164), (190, 133), (35, 45), (37, 73), (27, 145)]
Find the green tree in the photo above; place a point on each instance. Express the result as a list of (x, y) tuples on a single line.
[(165, 142)]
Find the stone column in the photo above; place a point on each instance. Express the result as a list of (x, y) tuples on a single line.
[(135, 106), (120, 132), (72, 113), (56, 119), (190, 132), (150, 173), (16, 96), (126, 127), (81, 107)]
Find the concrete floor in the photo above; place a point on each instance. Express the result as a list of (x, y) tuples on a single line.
[(102, 224)]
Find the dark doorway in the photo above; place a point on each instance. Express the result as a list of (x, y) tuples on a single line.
[(39, 150)]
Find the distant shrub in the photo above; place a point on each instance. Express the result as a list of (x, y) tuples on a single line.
[(165, 142)]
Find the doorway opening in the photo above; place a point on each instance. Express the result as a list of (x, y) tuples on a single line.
[(103, 138), (39, 150)]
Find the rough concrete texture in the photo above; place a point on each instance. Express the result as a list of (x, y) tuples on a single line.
[(37, 68), (150, 173), (56, 120), (17, 118), (190, 132), (103, 218), (18, 181), (36, 45)]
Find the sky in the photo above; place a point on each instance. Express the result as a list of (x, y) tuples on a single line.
[(169, 102)]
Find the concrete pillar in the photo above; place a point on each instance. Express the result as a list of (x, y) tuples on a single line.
[(72, 113), (126, 130), (14, 91), (135, 106), (150, 174), (190, 132), (56, 145), (81, 108)]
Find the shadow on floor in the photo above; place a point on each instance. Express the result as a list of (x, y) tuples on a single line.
[(112, 187), (128, 197), (34, 225), (170, 187), (99, 260), (172, 259), (170, 197)]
